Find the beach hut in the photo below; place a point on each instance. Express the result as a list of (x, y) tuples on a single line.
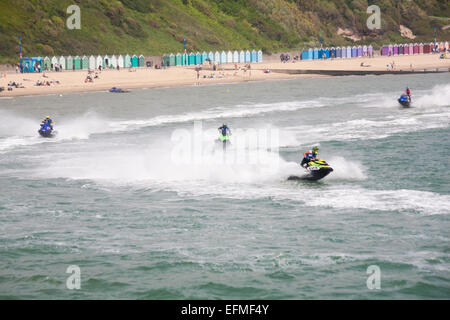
[(406, 49), (127, 61), (333, 53), (316, 54), (217, 56), (426, 48), (401, 49), (69, 63), (421, 48), (54, 62), (47, 64), (236, 56), (338, 52), (349, 52), (384, 50), (77, 63), (211, 56), (62, 63), (223, 57), (229, 57), (416, 48), (370, 50), (359, 51), (85, 63), (396, 49), (354, 52), (191, 59), (198, 58), (253, 56), (321, 53), (120, 61), (178, 59), (113, 62), (446, 46), (304, 55), (327, 53), (365, 51), (165, 60), (172, 61), (98, 62), (105, 63), (141, 61), (260, 56), (247, 56), (204, 56), (411, 48), (344, 52), (441, 47), (31, 64), (91, 62), (242, 56), (134, 61), (310, 54)]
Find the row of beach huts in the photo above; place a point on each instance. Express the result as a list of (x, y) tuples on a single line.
[(38, 64), (416, 48)]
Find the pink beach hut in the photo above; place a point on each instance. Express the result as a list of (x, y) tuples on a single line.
[(391, 49), (446, 45), (416, 48), (406, 49), (421, 48), (401, 49), (411, 48)]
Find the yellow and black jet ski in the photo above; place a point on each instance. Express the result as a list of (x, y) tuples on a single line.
[(316, 170)]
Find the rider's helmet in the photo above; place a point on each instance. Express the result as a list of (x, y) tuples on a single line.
[(315, 149), (47, 117)]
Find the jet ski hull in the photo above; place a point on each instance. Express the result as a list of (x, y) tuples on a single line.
[(47, 133), (404, 101), (313, 175)]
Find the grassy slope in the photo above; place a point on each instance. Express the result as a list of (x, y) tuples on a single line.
[(154, 27)]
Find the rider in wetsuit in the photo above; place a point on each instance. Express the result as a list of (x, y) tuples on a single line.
[(309, 156)]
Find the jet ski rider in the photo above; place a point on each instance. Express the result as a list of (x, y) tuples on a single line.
[(408, 93), (309, 156), (224, 130), (47, 121)]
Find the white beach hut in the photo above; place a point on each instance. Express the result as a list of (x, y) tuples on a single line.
[(235, 56), (229, 57), (54, 62), (91, 62), (98, 62), (62, 62), (120, 61), (113, 61), (217, 56)]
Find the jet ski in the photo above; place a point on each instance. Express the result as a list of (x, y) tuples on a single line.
[(404, 100), (223, 141), (117, 90), (46, 131), (316, 170)]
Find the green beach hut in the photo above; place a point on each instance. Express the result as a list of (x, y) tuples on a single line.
[(54, 62), (85, 63), (127, 61), (172, 59), (134, 61), (198, 58), (166, 60), (69, 63), (191, 59), (77, 63), (179, 59), (113, 62), (142, 61), (47, 65)]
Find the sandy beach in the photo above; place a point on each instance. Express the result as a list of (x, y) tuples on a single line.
[(74, 81)]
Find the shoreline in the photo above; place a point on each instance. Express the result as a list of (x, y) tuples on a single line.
[(147, 78)]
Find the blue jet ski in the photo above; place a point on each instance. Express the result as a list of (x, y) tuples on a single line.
[(404, 100), (46, 130), (117, 90)]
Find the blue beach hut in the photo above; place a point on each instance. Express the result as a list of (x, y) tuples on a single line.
[(304, 55), (310, 54), (198, 58), (327, 53), (247, 56), (260, 56), (134, 61), (360, 52), (338, 52), (185, 61), (321, 53), (354, 52), (333, 53), (31, 64), (253, 57), (316, 53), (204, 56)]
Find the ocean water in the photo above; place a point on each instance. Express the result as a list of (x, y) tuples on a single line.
[(134, 191)]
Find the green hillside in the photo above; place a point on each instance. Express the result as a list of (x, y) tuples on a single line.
[(154, 27)]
